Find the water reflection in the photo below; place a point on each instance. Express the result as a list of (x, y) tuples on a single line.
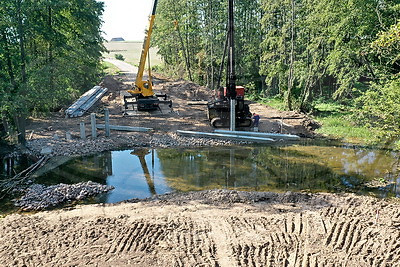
[(141, 173), (311, 167), (141, 153), (128, 171), (10, 166)]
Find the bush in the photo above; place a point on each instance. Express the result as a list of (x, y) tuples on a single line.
[(119, 57), (380, 107)]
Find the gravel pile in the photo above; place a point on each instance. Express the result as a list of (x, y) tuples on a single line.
[(224, 196), (40, 197), (175, 140), (62, 147)]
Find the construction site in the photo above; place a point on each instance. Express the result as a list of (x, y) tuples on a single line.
[(146, 170)]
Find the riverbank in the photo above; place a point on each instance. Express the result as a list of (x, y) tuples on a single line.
[(210, 228), (48, 135)]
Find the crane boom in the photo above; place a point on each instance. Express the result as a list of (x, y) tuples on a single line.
[(145, 88), (143, 93)]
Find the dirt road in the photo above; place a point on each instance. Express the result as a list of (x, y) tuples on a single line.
[(210, 228), (123, 66)]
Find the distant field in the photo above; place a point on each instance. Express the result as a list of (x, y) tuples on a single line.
[(131, 51)]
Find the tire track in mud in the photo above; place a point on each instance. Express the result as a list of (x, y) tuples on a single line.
[(337, 235), (276, 243), (190, 244)]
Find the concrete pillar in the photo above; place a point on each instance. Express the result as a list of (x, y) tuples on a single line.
[(68, 136), (107, 121), (82, 130), (93, 124)]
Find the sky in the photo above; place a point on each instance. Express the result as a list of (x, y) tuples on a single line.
[(126, 18)]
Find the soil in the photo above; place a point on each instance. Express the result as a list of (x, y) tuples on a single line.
[(210, 228), (207, 228), (51, 131)]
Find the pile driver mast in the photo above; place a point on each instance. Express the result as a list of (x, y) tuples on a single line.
[(229, 108)]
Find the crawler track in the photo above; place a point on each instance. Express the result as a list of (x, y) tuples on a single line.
[(324, 230)]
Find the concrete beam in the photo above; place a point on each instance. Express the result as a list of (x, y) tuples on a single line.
[(258, 134), (125, 128), (227, 136)]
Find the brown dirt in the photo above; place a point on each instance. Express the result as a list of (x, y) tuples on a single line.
[(182, 117), (210, 228)]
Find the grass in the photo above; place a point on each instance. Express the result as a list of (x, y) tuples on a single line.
[(131, 51), (274, 102), (336, 121), (340, 127), (110, 69)]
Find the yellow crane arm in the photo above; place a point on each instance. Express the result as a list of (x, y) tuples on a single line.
[(143, 87)]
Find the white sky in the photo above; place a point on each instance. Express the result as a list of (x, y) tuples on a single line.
[(126, 18)]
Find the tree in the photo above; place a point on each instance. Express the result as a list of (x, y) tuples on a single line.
[(190, 36), (51, 50)]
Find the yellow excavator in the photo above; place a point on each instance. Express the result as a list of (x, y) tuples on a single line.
[(142, 93)]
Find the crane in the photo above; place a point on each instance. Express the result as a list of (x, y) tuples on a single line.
[(141, 153), (143, 93), (229, 108)]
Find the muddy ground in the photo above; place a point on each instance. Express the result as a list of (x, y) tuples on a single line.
[(210, 228), (50, 132)]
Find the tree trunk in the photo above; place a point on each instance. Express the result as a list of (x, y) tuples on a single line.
[(187, 62), (288, 97), (19, 117)]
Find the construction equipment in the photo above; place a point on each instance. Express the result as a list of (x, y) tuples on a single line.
[(229, 107), (143, 94)]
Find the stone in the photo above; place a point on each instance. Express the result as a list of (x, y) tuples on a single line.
[(46, 150)]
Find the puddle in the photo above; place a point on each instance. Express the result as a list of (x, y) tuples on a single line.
[(309, 166)]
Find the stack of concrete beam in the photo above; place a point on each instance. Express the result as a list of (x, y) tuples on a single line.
[(85, 102)]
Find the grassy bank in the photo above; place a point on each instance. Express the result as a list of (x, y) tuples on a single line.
[(109, 69), (337, 122)]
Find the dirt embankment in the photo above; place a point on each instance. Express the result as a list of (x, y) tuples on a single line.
[(210, 228), (50, 132)]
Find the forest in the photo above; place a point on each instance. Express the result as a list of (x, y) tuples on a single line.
[(301, 51), (50, 52)]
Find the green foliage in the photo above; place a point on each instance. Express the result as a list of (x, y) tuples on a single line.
[(50, 52), (380, 107), (190, 36), (119, 57), (321, 48)]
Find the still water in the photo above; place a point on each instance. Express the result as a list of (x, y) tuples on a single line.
[(307, 166)]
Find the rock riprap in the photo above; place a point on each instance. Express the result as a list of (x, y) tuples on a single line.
[(40, 197)]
